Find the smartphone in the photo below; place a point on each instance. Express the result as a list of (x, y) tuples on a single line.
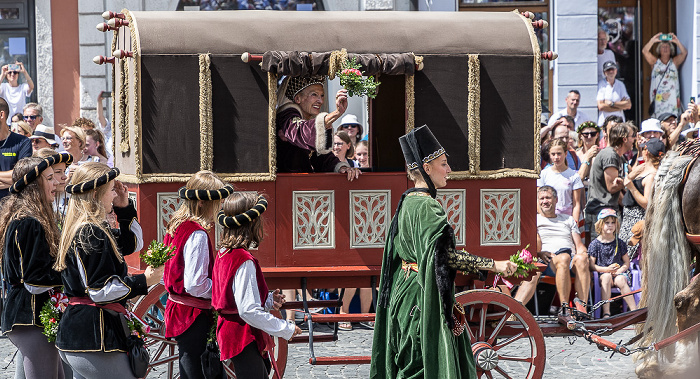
[(665, 37), (13, 67), (692, 99), (105, 94)]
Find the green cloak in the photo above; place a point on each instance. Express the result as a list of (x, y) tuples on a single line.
[(411, 337)]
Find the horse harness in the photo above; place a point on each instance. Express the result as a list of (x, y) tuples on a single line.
[(690, 148)]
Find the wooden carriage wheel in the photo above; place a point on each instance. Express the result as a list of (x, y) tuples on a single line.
[(163, 351), (502, 348)]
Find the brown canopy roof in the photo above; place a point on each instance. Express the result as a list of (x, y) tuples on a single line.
[(236, 32)]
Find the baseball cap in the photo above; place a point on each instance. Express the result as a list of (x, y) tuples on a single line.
[(666, 115), (651, 125), (654, 146), (607, 212), (45, 132), (608, 65)]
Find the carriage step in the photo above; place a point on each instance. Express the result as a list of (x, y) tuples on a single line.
[(348, 317), (311, 304), (317, 338), (342, 360)]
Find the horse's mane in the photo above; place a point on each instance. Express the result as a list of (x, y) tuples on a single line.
[(666, 253)]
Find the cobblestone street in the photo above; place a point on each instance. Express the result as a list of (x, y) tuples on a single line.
[(564, 360)]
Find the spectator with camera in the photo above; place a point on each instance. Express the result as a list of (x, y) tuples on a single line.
[(13, 92), (665, 89)]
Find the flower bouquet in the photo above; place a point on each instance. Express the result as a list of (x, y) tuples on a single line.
[(157, 254), (137, 327), (51, 313), (525, 262), (351, 78)]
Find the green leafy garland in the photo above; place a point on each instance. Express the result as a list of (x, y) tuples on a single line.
[(50, 316)]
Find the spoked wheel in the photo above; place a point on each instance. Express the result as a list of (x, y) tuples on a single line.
[(163, 351), (502, 348)]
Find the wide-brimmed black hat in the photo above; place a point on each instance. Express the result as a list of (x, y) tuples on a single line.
[(217, 194), (420, 146), (34, 173), (94, 183), (296, 84), (245, 217)]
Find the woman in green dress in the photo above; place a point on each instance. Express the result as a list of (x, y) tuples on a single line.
[(415, 334)]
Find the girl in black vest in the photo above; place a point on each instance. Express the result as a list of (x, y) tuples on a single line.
[(91, 336), (29, 239)]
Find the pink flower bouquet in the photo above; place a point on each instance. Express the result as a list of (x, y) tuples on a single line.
[(351, 78)]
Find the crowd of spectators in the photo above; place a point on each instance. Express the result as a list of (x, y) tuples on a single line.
[(593, 193)]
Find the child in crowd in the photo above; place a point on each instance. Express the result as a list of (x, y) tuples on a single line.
[(609, 257), (240, 293), (188, 315)]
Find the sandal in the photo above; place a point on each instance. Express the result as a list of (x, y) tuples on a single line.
[(606, 315), (580, 305), (347, 326)]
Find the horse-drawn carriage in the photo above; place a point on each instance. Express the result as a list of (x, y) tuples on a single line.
[(191, 93)]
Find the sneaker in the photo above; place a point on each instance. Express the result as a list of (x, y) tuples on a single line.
[(368, 324)]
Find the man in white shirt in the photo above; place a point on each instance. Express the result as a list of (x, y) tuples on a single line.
[(604, 55), (612, 95), (572, 102), (560, 237)]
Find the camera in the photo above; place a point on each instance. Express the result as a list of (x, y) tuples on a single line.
[(665, 37), (13, 67)]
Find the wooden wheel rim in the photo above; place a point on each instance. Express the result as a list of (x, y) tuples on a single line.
[(492, 333), (167, 352)]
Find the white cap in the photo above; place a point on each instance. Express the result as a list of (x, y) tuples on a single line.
[(651, 125), (690, 130), (349, 119), (45, 132)]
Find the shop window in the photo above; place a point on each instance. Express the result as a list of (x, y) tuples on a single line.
[(17, 36)]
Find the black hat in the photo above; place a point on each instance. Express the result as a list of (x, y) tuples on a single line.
[(218, 194), (608, 65), (29, 177), (420, 146), (654, 146), (94, 183), (245, 217), (665, 116), (296, 84)]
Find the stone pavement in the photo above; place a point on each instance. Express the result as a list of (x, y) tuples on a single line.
[(564, 360)]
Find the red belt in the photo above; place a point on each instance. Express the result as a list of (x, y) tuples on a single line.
[(87, 301), (190, 301)]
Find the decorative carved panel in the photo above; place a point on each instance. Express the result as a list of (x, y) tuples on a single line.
[(168, 203), (370, 217), (378, 5), (452, 201), (500, 217), (314, 221)]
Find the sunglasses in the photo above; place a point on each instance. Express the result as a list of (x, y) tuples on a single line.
[(32, 117), (12, 73), (589, 134)]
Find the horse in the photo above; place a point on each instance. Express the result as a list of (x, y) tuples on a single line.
[(671, 241)]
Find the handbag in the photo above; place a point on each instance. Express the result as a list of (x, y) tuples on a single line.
[(138, 356), (652, 103), (212, 367)]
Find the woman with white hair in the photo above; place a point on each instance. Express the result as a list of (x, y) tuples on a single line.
[(665, 90)]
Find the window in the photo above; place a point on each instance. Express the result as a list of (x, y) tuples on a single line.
[(17, 36)]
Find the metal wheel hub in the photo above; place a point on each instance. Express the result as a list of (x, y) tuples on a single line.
[(484, 355)]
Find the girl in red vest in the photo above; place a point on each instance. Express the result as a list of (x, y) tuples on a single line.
[(240, 293), (187, 278)]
